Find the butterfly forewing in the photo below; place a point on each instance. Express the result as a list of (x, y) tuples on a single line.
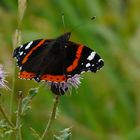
[(82, 59), (21, 52), (40, 59)]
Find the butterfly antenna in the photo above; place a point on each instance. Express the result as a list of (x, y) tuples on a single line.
[(78, 26), (63, 21)]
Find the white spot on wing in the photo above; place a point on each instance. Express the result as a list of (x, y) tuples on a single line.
[(82, 72), (21, 46), (91, 56), (28, 46), (88, 70), (100, 60), (21, 53), (88, 65)]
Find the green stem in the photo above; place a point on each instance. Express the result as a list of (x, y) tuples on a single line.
[(12, 94), (16, 42), (5, 116), (52, 117), (18, 120)]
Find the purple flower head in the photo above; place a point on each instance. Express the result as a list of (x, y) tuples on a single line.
[(2, 78), (60, 88)]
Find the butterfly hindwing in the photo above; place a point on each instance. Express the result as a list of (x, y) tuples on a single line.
[(26, 75)]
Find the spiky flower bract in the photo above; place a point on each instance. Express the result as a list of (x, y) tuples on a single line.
[(60, 88)]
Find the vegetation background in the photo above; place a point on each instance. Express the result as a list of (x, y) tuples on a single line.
[(107, 104)]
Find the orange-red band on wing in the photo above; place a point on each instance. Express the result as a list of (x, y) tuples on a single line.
[(52, 78), (34, 48), (76, 60), (26, 75)]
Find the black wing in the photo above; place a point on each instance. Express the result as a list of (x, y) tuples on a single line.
[(81, 59), (40, 57)]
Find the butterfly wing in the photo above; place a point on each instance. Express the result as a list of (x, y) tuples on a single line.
[(24, 52), (81, 59), (52, 61), (38, 58)]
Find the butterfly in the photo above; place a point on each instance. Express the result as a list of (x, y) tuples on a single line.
[(59, 62)]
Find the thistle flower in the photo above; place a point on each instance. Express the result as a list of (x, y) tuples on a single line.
[(60, 88), (2, 78)]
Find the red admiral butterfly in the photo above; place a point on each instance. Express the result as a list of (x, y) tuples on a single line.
[(58, 61)]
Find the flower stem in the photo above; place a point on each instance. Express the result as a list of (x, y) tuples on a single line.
[(17, 42), (18, 120), (12, 94), (52, 117)]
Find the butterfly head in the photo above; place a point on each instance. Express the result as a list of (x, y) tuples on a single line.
[(64, 38)]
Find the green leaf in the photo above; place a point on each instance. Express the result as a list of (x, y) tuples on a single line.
[(4, 129), (35, 134), (27, 100), (64, 135)]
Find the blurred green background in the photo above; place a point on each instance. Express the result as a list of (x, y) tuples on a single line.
[(106, 106)]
